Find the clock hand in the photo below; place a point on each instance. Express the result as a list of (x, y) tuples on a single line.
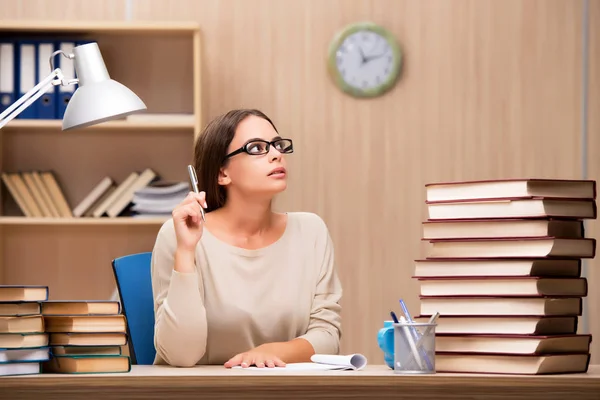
[(362, 55), (369, 58)]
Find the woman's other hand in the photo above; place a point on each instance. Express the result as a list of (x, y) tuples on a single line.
[(259, 357)]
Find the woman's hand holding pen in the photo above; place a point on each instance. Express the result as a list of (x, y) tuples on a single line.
[(187, 219)]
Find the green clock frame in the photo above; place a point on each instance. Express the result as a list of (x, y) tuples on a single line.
[(397, 55)]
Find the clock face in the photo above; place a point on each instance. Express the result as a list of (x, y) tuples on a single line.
[(365, 61)]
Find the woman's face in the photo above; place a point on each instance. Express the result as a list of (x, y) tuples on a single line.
[(258, 172)]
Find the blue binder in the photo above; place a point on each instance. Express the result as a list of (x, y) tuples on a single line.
[(64, 93), (26, 73), (45, 106), (7, 74)]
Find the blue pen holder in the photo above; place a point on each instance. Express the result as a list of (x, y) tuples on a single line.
[(385, 340)]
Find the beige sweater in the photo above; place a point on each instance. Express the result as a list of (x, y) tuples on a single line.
[(238, 299)]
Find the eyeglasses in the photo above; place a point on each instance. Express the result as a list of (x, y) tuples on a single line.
[(257, 147)]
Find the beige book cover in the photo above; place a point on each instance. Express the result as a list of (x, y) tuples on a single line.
[(17, 293), (19, 183), (85, 323), (100, 200), (22, 324), (23, 340), (16, 195), (82, 364), (88, 339), (123, 200), (512, 364), (97, 191), (56, 193), (36, 194), (103, 207), (45, 194)]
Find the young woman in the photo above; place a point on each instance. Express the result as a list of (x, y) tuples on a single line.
[(247, 286)]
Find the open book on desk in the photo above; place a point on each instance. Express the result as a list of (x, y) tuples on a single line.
[(321, 362)]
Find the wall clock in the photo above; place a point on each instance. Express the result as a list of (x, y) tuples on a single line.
[(364, 60)]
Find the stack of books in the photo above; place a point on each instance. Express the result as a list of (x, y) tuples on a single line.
[(158, 199), (503, 269), (23, 342), (85, 337)]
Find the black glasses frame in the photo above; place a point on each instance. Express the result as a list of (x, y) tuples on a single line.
[(244, 148)]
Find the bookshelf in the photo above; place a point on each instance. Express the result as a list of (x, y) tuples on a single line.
[(161, 63), (115, 126)]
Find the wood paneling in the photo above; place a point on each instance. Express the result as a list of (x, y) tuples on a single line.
[(85, 252), (490, 89), (66, 10), (593, 271)]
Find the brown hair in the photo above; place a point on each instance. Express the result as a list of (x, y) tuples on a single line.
[(210, 151)]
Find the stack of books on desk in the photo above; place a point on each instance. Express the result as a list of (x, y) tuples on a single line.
[(23, 342), (85, 337), (504, 272)]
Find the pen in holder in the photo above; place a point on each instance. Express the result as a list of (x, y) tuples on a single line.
[(414, 354)]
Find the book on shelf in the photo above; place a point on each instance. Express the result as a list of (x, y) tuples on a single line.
[(159, 198), (140, 194), (98, 191), (124, 200), (101, 209), (37, 194), (503, 269)]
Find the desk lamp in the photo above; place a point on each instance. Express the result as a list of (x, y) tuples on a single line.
[(97, 99)]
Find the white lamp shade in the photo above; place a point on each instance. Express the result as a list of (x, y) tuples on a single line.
[(98, 98)]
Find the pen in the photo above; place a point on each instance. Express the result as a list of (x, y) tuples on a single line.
[(415, 334), (393, 314), (405, 311), (432, 320), (411, 342), (194, 181)]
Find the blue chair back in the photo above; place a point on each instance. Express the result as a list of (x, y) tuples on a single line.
[(132, 274)]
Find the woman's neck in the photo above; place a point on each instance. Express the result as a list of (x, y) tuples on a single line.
[(247, 217)]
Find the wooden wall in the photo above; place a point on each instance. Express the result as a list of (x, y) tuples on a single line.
[(593, 164), (490, 89)]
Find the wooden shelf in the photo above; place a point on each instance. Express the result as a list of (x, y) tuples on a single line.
[(24, 124), (93, 27), (72, 255), (81, 221)]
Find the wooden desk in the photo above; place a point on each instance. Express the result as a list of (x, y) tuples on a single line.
[(374, 382)]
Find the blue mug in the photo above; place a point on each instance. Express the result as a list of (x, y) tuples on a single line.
[(385, 340)]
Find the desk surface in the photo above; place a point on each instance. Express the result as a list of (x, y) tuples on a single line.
[(212, 382)]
